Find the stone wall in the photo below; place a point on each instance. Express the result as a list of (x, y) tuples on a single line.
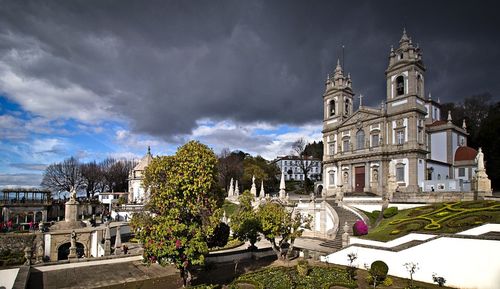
[(17, 241), (431, 197)]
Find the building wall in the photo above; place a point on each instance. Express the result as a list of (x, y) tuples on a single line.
[(293, 165), (438, 147)]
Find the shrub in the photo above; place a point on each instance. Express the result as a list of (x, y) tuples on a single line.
[(379, 270), (220, 236), (391, 211), (438, 279), (302, 267), (360, 228), (387, 282)]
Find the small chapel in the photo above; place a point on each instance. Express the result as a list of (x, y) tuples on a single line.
[(401, 146)]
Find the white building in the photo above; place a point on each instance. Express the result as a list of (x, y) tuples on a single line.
[(291, 166), (136, 191)]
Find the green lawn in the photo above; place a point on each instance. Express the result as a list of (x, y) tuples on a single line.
[(450, 217), (319, 276)]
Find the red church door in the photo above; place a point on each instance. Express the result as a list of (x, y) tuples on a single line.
[(359, 179)]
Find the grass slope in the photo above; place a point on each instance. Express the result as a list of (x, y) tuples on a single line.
[(437, 218)]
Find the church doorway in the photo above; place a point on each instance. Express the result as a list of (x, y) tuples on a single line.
[(359, 179)]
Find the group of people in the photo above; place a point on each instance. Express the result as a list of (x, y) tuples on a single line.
[(10, 226), (6, 226)]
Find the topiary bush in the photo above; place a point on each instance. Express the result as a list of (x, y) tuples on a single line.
[(391, 211), (360, 228), (302, 268), (379, 270)]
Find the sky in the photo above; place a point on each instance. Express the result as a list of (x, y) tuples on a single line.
[(97, 79)]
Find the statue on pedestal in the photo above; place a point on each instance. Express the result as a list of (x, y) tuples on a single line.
[(72, 249)]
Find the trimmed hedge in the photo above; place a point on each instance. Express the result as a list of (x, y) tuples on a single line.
[(360, 228), (391, 211), (379, 270)]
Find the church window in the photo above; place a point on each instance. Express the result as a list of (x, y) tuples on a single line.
[(360, 139), (400, 173), (375, 140), (346, 145), (461, 172), (400, 85), (439, 176), (400, 137), (332, 178), (331, 148), (331, 107)]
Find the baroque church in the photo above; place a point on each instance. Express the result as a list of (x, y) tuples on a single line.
[(402, 146)]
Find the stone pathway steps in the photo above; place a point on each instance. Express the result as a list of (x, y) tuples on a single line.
[(344, 216)]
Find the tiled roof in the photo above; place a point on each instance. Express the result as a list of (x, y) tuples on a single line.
[(295, 158), (465, 153)]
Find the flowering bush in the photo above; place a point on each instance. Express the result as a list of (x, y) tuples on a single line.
[(360, 228)]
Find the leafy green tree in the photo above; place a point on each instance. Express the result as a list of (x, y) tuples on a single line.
[(245, 224), (314, 149), (184, 208), (262, 170), (280, 226)]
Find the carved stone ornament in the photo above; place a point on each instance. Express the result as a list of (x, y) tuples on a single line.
[(359, 124)]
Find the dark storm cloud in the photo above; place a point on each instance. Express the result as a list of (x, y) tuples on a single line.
[(164, 65)]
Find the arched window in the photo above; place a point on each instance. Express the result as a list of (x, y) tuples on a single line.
[(331, 107), (400, 85), (360, 139), (346, 106)]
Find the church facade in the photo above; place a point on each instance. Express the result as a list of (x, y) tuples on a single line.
[(401, 146)]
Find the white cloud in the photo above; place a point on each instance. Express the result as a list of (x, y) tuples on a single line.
[(40, 97), (260, 138), (17, 180)]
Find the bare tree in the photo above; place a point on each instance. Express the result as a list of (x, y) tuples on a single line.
[(115, 174), (305, 161), (63, 176), (93, 178)]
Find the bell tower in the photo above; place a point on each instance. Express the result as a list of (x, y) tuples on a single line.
[(338, 98), (405, 75)]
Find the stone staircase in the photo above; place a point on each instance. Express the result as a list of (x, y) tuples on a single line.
[(344, 216)]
